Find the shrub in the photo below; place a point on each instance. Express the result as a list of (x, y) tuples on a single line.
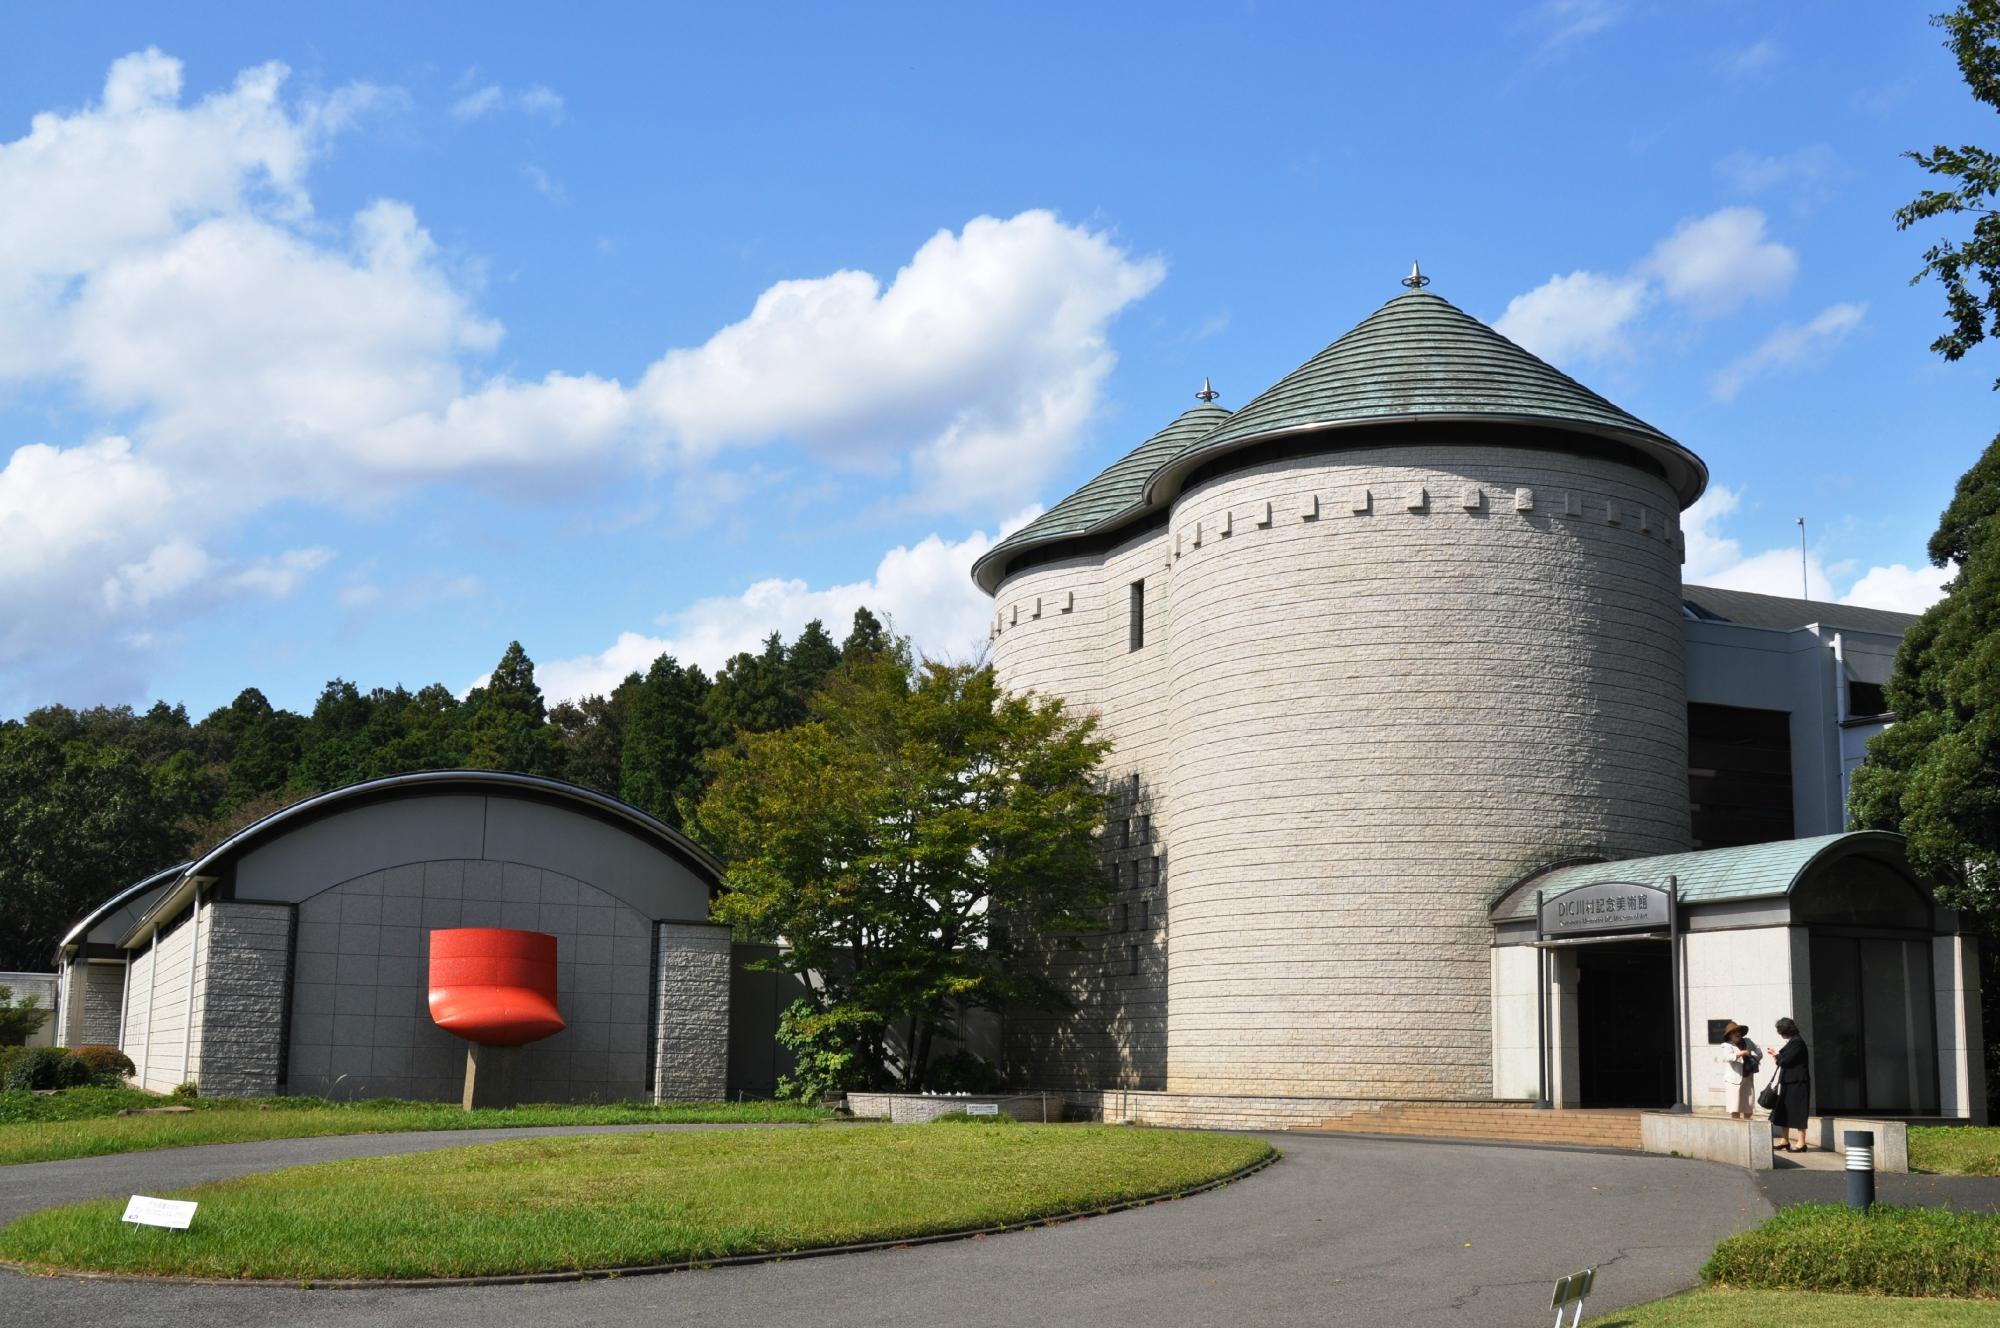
[(8, 1055), (41, 1068), (19, 1019), (105, 1062), (185, 1089), (967, 1118), (962, 1072), (1888, 1252)]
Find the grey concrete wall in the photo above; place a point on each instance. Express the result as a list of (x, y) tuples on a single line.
[(245, 980), (421, 827), (361, 1023), (691, 1061)]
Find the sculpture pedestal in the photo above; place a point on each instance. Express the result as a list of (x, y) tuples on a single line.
[(492, 1075)]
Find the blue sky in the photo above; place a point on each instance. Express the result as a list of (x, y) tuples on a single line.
[(357, 341)]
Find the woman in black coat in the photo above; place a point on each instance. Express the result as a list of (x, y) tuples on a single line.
[(1794, 1085)]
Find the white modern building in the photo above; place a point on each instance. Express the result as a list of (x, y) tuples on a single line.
[(1399, 650)]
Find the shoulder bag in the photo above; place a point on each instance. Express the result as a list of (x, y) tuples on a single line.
[(1767, 1097)]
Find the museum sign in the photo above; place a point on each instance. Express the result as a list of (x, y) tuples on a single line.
[(1609, 906)]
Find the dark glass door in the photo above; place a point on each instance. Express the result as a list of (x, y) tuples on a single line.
[(1874, 1029), (1625, 1024)]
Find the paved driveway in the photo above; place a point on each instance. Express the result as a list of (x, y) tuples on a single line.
[(1342, 1231)]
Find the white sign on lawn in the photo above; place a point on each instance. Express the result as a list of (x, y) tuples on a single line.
[(144, 1210)]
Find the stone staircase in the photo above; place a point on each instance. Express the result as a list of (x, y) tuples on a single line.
[(1522, 1125)]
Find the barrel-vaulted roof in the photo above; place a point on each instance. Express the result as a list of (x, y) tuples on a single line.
[(1113, 495), (1417, 359), (1708, 876)]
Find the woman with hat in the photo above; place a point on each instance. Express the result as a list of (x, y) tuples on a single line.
[(1743, 1061)]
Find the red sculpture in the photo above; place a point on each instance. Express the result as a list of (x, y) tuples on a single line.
[(494, 987)]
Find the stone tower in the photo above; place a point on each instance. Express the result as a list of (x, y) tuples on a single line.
[(1402, 628)]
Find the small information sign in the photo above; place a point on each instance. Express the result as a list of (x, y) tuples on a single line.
[(146, 1211), (982, 1108)]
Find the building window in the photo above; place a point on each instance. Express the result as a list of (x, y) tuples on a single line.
[(1124, 915), (1865, 698), (1117, 875), (1739, 775), (1125, 833), (1145, 828), (1132, 960), (1145, 914), (1136, 633), (1156, 869)]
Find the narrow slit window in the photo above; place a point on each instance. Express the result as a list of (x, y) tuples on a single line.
[(1132, 959), (1124, 915), (1137, 629)]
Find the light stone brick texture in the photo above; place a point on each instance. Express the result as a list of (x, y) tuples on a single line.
[(361, 1024), (242, 1000), (691, 1060), (1355, 730), (1116, 975)]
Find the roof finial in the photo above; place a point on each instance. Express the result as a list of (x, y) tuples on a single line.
[(1207, 393), (1416, 280)]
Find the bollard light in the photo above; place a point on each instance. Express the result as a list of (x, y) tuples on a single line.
[(1860, 1168)]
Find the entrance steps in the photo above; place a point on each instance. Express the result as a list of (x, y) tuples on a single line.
[(1500, 1124)]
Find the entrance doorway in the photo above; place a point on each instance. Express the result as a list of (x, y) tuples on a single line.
[(1625, 1024)]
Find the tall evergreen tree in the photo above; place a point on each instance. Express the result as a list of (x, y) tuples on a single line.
[(866, 637), (811, 660), (506, 722), (591, 732), (664, 740)]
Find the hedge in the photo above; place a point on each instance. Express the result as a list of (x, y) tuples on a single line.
[(1889, 1252)]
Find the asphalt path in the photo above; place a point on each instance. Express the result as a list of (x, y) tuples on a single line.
[(1343, 1230)]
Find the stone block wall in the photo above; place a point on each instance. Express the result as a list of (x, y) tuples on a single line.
[(691, 1059), (1394, 679), (361, 1023), (242, 1002)]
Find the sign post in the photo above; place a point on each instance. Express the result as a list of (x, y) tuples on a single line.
[(1541, 1008), (145, 1211)]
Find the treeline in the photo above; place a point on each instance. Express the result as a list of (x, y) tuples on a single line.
[(92, 800)]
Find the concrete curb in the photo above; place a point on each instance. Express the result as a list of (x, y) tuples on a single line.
[(642, 1270)]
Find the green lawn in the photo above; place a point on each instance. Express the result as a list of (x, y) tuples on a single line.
[(1955, 1150), (81, 1122), (1789, 1309), (609, 1201)]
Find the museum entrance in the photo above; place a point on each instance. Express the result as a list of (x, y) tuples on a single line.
[(1625, 1024)]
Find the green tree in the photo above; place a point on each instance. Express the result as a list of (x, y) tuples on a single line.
[(749, 694), (19, 1019), (506, 722), (884, 837), (591, 734), (665, 737), (810, 661), (1934, 774), (77, 821), (866, 637), (1969, 269)]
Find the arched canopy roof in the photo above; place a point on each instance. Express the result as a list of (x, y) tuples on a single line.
[(532, 788), (1716, 875)]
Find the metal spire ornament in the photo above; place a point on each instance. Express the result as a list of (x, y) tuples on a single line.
[(1416, 280), (1207, 393)]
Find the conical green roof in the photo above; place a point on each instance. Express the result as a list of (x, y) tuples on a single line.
[(1114, 492), (1419, 357)]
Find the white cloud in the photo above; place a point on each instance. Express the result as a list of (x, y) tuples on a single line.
[(986, 352), (1707, 266), (490, 99), (1752, 59), (1717, 559), (173, 278), (1807, 175), (1715, 263), (1904, 589), (924, 589), (1791, 346), (1584, 315), (544, 184), (1565, 23)]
